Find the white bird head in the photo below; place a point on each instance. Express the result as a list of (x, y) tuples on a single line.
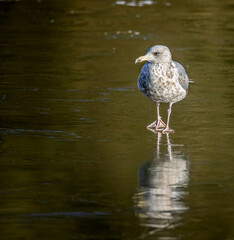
[(156, 54)]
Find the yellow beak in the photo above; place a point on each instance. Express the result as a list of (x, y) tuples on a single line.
[(141, 59)]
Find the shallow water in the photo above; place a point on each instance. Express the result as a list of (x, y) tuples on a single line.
[(76, 159)]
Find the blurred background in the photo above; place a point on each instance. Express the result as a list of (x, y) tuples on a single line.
[(76, 159)]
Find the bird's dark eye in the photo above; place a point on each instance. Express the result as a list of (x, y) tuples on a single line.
[(155, 53)]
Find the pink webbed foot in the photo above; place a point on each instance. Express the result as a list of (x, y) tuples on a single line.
[(168, 130), (158, 125)]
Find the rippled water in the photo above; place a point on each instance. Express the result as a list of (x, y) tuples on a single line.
[(76, 159)]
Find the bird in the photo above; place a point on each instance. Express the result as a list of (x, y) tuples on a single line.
[(162, 80)]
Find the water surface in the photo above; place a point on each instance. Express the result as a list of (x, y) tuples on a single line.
[(76, 159)]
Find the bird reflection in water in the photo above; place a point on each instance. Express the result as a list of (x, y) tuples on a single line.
[(162, 186)]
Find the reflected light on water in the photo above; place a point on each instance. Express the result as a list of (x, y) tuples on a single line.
[(134, 3), (162, 186)]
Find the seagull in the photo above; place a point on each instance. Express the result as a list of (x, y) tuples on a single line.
[(163, 81)]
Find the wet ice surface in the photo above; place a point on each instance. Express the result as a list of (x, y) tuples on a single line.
[(76, 159)]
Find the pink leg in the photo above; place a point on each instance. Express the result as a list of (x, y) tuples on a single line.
[(158, 124), (167, 129)]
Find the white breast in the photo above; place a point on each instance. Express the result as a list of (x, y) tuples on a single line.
[(161, 85)]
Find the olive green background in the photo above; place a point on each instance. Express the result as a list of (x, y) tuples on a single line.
[(77, 161)]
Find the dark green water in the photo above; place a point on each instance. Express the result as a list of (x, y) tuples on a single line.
[(76, 161)]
